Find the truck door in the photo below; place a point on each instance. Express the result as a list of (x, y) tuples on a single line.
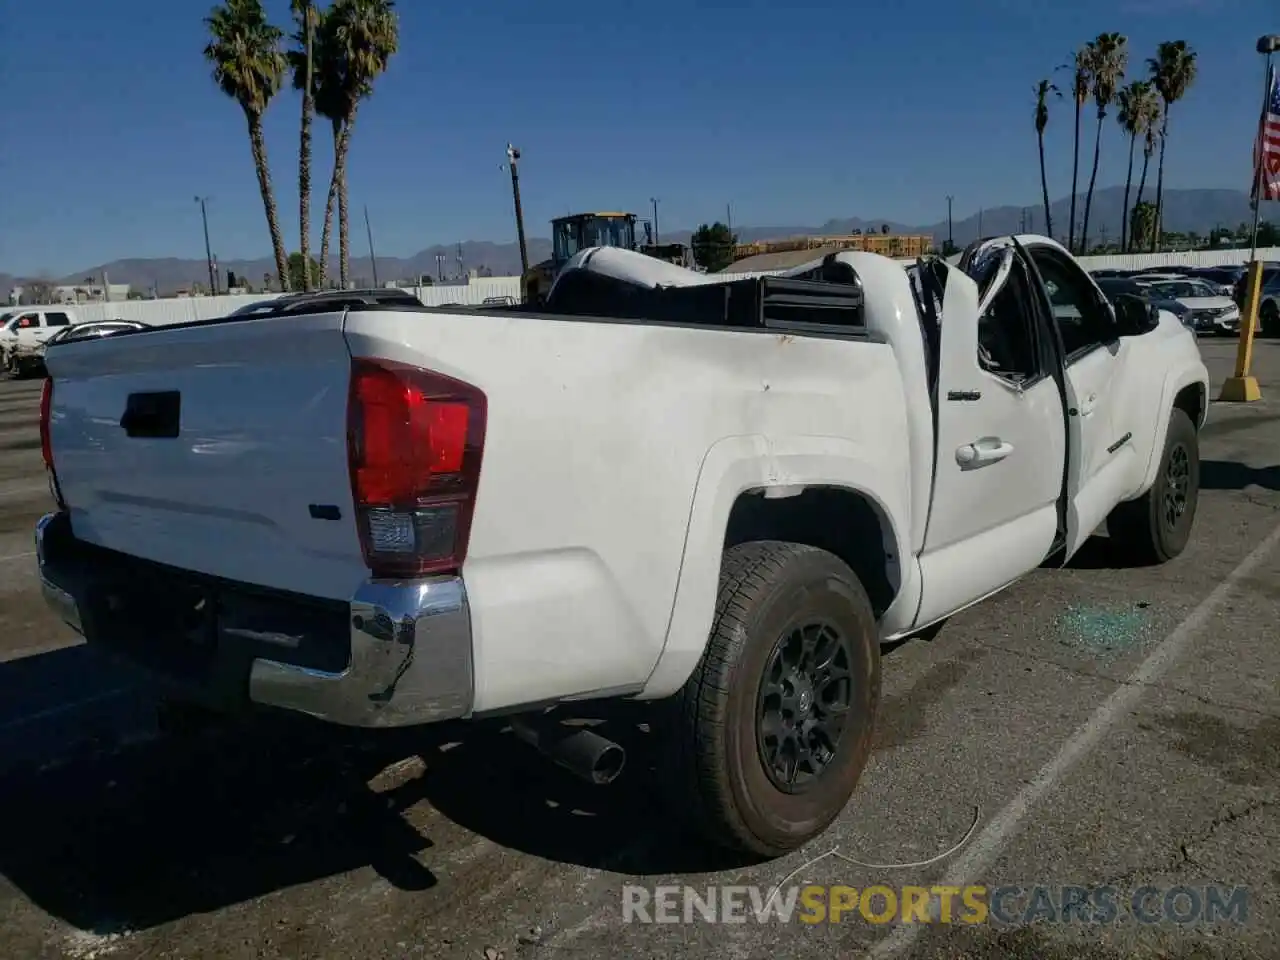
[(1001, 441), (1094, 355)]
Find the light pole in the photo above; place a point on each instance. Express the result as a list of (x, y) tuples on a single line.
[(373, 259), (654, 202), (513, 158), (951, 240), (208, 254), (1243, 387)]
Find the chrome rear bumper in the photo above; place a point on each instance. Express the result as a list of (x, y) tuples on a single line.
[(410, 646)]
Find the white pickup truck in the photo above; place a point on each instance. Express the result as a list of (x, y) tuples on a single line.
[(718, 495)]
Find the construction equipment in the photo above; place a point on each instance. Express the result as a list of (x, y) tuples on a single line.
[(580, 231)]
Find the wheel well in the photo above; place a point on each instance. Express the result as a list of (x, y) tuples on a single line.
[(842, 521), (1190, 400)]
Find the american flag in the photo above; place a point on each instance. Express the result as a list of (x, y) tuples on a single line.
[(1266, 169)]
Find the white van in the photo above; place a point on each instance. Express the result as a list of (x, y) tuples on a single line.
[(24, 330)]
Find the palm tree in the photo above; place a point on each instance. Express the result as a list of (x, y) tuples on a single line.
[(1081, 81), (1134, 116), (360, 38), (1109, 57), (1173, 70), (1144, 222), (249, 67), (331, 104), (302, 62), (1044, 90), (1150, 140)]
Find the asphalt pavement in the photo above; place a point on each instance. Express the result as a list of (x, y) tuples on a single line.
[(1095, 727)]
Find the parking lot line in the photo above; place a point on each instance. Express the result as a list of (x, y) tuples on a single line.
[(18, 556), (989, 844)]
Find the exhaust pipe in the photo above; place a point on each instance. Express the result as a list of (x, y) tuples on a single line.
[(580, 750)]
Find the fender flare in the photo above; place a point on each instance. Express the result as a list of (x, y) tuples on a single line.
[(1174, 383), (731, 467)]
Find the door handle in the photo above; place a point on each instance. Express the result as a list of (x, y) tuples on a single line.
[(984, 451)]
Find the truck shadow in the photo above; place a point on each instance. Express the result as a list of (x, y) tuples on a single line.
[(119, 835), (1231, 475), (127, 837)]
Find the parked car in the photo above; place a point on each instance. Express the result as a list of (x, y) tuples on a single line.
[(1198, 305), (31, 361), (716, 496), (25, 331), (1224, 278), (1158, 276)]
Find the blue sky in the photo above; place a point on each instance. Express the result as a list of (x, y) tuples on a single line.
[(794, 113)]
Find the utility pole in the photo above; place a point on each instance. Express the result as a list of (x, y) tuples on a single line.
[(208, 254), (951, 240), (373, 259), (462, 274), (728, 213), (513, 159), (654, 201)]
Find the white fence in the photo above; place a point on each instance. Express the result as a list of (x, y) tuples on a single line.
[(159, 313), (185, 309)]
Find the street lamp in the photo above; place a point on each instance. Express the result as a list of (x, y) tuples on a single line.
[(208, 255), (513, 160), (654, 202)]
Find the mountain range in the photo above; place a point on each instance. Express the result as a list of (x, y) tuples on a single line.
[(1185, 210)]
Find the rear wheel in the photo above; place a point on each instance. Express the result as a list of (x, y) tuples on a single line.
[(771, 732), (1156, 527)]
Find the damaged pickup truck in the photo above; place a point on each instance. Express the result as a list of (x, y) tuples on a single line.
[(720, 496)]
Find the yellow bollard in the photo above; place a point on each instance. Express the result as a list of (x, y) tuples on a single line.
[(1243, 388)]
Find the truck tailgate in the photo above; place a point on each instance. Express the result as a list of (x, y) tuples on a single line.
[(254, 486)]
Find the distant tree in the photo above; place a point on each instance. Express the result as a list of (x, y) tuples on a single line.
[(37, 292), (1138, 113), (248, 66), (713, 246), (1108, 60), (1081, 83), (1268, 234), (884, 229), (1142, 223), (355, 41), (298, 271), (949, 249), (301, 59), (1044, 90), (1173, 70)]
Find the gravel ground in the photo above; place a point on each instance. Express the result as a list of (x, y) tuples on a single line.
[(1110, 726)]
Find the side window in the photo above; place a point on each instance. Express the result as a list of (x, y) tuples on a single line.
[(56, 320), (1006, 337), (28, 321), (1080, 316)]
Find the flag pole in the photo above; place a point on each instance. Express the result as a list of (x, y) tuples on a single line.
[(1260, 153), (1242, 387)]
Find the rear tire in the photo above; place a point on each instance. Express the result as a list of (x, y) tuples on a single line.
[(1155, 528), (791, 672)]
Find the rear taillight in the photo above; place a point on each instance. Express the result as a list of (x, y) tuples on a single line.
[(46, 441), (414, 443)]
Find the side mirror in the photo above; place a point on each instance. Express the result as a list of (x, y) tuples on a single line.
[(1135, 316)]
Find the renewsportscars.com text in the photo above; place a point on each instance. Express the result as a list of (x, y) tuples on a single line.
[(975, 904)]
